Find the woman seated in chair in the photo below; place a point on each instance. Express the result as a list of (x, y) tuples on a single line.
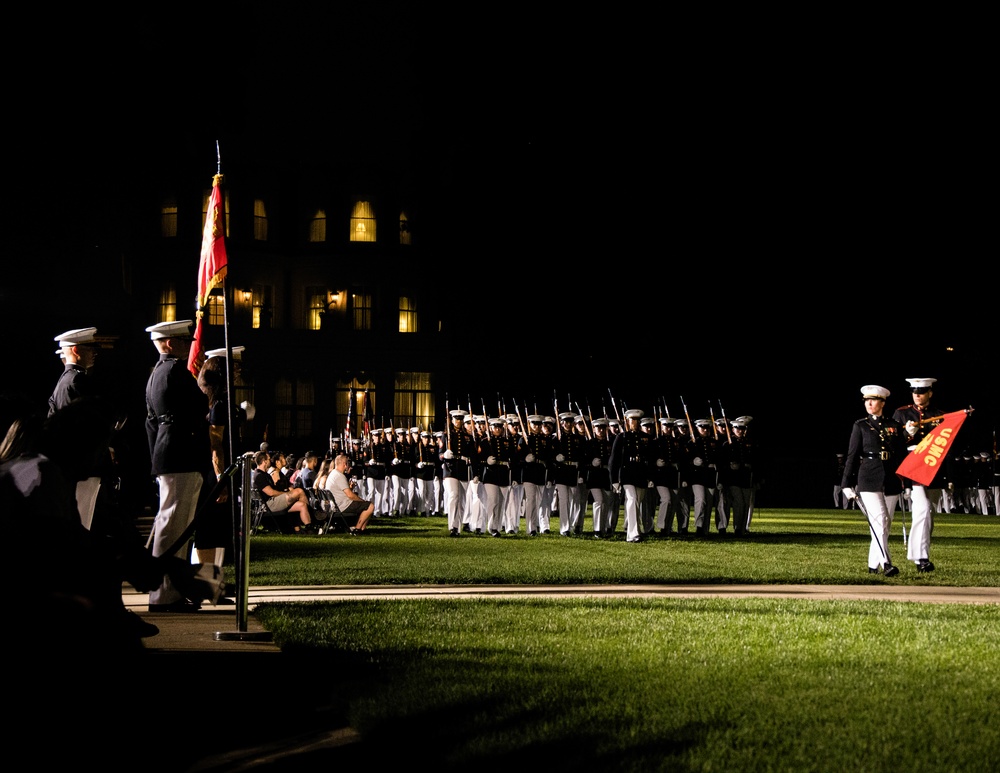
[(294, 502)]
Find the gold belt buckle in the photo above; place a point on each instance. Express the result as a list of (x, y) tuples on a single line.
[(884, 456)]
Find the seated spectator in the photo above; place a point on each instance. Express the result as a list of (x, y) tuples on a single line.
[(345, 495), (292, 501), (276, 469), (325, 468), (293, 465), (307, 474)]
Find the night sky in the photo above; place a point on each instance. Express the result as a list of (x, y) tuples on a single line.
[(767, 221)]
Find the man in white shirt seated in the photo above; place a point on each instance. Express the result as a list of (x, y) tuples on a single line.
[(344, 495)]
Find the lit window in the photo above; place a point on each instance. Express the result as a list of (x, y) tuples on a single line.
[(262, 309), (259, 221), (362, 222), (405, 237), (414, 401), (168, 217), (215, 314), (407, 315), (168, 304), (316, 298), (317, 227), (361, 307)]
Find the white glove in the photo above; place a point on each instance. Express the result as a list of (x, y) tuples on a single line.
[(912, 448), (616, 487), (491, 460), (475, 479), (684, 484), (911, 428), (560, 458), (549, 484), (449, 454), (529, 458), (849, 492), (420, 465), (661, 463), (395, 461), (650, 485), (697, 462), (579, 480), (596, 462), (371, 461), (734, 465)]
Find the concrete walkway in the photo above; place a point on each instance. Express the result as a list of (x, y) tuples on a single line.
[(217, 629)]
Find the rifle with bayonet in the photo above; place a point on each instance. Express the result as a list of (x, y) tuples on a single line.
[(688, 417), (586, 429), (722, 410)]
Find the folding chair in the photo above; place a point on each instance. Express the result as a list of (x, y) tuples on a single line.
[(329, 505)]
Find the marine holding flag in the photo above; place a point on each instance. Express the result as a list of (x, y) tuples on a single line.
[(211, 270), (923, 473)]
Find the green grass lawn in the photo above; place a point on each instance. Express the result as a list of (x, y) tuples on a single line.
[(648, 684)]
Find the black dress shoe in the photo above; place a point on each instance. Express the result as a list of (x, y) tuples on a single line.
[(465, 527), (923, 565), (890, 570), (872, 570), (453, 533), (354, 532), (495, 532), (178, 606)]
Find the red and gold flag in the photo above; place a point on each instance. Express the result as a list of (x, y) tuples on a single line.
[(924, 461), (211, 270)]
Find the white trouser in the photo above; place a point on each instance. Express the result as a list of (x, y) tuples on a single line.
[(86, 500), (496, 499), (879, 509), (513, 502), (923, 502), (546, 498), (739, 498), (633, 502), (601, 497), (569, 508), (179, 492), (665, 510), (454, 501), (532, 498), (702, 506)]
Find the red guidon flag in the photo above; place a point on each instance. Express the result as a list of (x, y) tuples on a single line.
[(211, 270), (924, 461)]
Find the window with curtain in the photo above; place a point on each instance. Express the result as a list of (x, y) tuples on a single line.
[(362, 222), (168, 217), (361, 310), (168, 304), (414, 401), (259, 220), (407, 315), (317, 226), (263, 309), (405, 236), (316, 304), (215, 314)]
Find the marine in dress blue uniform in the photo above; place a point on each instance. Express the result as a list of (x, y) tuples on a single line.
[(876, 448), (179, 449)]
